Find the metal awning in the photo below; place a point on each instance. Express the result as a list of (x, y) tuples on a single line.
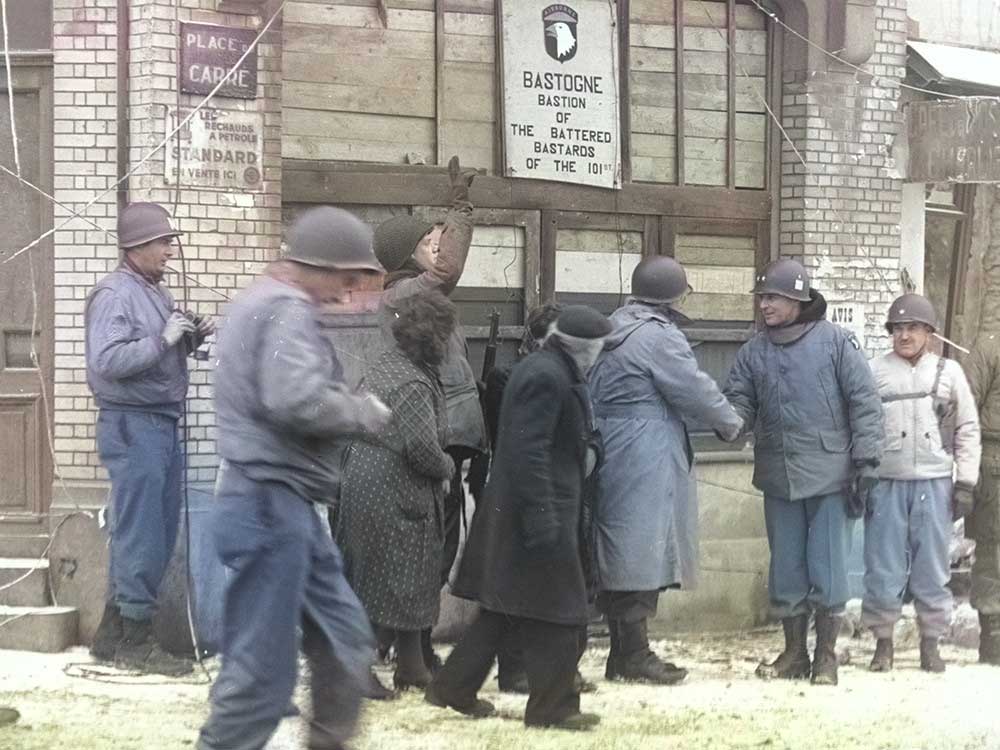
[(958, 70)]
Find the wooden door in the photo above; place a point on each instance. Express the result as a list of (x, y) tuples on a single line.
[(26, 307)]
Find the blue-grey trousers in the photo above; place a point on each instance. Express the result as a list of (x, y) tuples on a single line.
[(906, 547), (142, 454), (285, 574), (810, 542)]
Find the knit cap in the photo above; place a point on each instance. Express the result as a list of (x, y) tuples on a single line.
[(396, 239)]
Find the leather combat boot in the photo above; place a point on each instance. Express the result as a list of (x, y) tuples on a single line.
[(611, 668), (431, 660), (411, 670), (109, 634), (636, 661), (824, 671), (139, 650), (989, 639), (930, 657), (793, 662), (882, 660)]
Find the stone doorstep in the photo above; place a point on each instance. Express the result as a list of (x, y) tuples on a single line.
[(44, 629), (32, 586), (23, 545)]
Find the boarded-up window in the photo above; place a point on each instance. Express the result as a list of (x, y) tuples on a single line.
[(722, 63), (720, 270), (594, 266)]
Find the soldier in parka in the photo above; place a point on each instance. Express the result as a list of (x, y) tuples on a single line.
[(931, 433), (422, 257), (983, 523), (803, 386), (645, 385)]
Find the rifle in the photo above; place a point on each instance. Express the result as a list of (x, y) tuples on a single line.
[(490, 357)]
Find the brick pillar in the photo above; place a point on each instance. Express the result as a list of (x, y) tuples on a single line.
[(84, 145), (840, 213)]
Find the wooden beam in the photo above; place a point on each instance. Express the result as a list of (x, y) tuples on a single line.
[(679, 86), (345, 183), (731, 72)]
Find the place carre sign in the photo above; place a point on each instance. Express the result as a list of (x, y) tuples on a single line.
[(209, 52), (560, 66)]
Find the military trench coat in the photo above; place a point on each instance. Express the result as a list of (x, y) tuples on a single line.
[(645, 385)]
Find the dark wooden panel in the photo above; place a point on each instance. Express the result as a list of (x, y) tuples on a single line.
[(30, 25), (346, 183)]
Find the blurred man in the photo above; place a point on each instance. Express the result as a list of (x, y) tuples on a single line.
[(282, 405), (137, 344), (804, 388), (646, 386), (931, 434)]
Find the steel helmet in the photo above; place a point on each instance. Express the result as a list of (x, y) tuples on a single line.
[(139, 223), (911, 308), (785, 278), (331, 238), (659, 279)]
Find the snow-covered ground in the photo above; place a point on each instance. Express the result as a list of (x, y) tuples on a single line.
[(65, 702)]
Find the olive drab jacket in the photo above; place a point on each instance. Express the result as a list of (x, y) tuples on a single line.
[(808, 394), (983, 370)]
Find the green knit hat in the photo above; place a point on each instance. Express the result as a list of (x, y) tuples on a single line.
[(396, 239)]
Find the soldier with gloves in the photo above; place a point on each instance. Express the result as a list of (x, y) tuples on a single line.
[(523, 562), (421, 257), (803, 386), (282, 408), (983, 522), (137, 344), (645, 385), (931, 433)]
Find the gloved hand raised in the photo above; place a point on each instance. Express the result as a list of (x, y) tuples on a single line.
[(177, 325), (961, 501), (460, 181)]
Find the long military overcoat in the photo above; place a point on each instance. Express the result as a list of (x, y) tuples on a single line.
[(539, 465), (645, 385)]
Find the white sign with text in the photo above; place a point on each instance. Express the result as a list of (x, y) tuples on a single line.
[(560, 64), (217, 149)]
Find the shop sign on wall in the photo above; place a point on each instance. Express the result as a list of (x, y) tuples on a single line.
[(216, 149), (954, 140), (209, 52), (560, 65), (849, 315)]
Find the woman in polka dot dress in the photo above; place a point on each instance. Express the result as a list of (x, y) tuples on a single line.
[(390, 521)]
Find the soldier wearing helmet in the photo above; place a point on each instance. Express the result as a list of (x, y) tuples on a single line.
[(803, 386), (419, 257), (646, 386), (983, 523), (931, 435), (283, 409), (137, 344)]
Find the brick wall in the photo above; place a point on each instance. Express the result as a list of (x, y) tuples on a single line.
[(228, 235), (840, 213)]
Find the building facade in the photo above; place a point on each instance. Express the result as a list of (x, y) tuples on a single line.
[(743, 131)]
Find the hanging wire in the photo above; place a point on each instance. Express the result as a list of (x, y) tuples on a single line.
[(10, 88), (774, 17), (201, 105)]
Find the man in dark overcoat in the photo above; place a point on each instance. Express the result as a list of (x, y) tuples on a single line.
[(523, 563)]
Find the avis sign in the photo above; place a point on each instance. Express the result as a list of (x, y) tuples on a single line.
[(560, 64), (209, 52)]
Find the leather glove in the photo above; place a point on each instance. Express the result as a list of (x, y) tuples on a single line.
[(460, 180), (861, 501), (540, 528), (961, 502), (374, 414), (177, 325)]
